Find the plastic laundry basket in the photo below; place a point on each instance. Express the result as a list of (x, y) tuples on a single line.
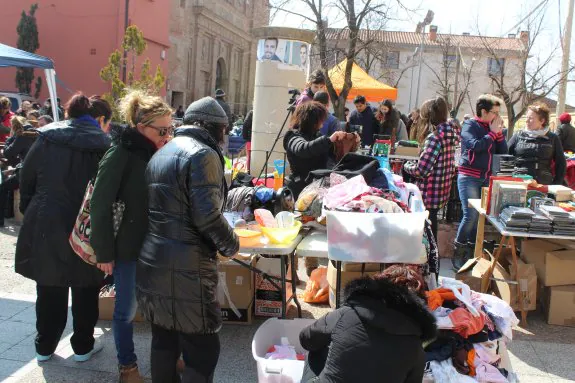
[(269, 334)]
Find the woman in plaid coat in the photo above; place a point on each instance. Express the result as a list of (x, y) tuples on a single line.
[(436, 167)]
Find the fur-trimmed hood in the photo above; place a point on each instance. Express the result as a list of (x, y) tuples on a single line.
[(393, 308)]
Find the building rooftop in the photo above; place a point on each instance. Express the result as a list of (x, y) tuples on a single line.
[(510, 44)]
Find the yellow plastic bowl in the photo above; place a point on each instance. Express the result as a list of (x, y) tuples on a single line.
[(282, 236), (248, 237)]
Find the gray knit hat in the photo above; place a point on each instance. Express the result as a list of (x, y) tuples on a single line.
[(207, 110)]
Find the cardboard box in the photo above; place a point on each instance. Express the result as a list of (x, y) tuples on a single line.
[(559, 305), (554, 268), (106, 309), (353, 266), (533, 248), (472, 272), (268, 300), (407, 151), (236, 291), (527, 284), (346, 277)]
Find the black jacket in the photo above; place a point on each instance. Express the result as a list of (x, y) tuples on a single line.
[(177, 273), (376, 336), (121, 177), (247, 127), (53, 181), (566, 133), (305, 153), (228, 111), (367, 120), (17, 147), (537, 153)]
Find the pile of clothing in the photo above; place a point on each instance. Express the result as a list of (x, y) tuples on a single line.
[(472, 329), (337, 192)]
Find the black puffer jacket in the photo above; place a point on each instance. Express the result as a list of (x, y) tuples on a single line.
[(537, 154), (177, 274), (17, 147), (376, 336), (53, 181)]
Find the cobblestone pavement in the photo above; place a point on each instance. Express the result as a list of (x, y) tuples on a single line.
[(539, 353)]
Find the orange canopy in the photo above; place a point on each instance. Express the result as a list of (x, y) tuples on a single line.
[(363, 84)]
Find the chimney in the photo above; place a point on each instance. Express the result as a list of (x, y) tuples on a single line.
[(524, 36), (511, 35), (466, 34), (433, 33)]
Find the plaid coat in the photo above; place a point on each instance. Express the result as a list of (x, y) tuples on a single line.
[(436, 167)]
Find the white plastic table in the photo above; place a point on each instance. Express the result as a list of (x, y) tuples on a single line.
[(313, 245)]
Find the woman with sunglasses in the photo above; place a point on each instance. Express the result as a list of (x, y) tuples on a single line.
[(121, 179)]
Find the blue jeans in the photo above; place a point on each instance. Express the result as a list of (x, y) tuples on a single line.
[(124, 311), (469, 188)]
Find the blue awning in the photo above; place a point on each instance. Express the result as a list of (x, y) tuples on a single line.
[(12, 57)]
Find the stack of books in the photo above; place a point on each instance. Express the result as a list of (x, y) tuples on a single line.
[(563, 222)]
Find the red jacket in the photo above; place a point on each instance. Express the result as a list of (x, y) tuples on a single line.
[(6, 122)]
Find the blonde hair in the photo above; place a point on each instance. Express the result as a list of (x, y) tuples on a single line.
[(18, 123), (140, 107)]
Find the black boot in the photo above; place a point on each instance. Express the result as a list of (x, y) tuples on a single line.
[(470, 251), (459, 255)]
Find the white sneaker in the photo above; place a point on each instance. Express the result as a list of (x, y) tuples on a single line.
[(98, 346)]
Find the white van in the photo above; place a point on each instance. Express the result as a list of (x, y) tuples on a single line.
[(17, 98)]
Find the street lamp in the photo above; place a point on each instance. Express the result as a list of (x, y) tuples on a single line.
[(421, 27)]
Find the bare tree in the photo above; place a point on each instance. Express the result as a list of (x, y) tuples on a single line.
[(453, 77), (355, 14), (533, 80)]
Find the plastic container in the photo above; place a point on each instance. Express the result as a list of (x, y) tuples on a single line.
[(383, 162), (269, 334), (281, 236), (248, 238), (376, 237)]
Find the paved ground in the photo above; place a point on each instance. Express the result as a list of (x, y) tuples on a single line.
[(539, 354)]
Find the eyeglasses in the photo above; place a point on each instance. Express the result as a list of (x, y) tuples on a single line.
[(162, 131)]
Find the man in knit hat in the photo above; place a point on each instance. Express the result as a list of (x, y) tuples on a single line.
[(566, 133), (177, 274), (221, 99)]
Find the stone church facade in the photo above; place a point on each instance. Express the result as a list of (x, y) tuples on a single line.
[(212, 47)]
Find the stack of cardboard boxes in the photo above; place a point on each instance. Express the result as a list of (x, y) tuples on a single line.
[(554, 261)]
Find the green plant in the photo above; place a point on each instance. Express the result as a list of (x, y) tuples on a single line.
[(28, 41), (134, 45)]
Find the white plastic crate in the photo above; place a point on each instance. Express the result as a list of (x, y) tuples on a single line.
[(269, 334), (376, 237)]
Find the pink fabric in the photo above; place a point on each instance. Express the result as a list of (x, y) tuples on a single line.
[(485, 362), (346, 192)]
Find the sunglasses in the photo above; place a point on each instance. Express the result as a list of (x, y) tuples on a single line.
[(162, 131)]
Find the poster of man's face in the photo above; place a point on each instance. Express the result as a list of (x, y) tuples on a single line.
[(289, 52)]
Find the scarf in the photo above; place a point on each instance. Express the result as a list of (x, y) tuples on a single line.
[(537, 133)]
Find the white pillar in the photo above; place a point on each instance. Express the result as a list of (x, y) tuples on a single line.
[(273, 81)]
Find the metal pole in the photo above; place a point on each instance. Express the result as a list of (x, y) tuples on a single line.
[(565, 63), (126, 21), (411, 85), (420, 65)]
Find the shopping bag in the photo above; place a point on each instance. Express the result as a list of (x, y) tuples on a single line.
[(80, 237), (317, 288)]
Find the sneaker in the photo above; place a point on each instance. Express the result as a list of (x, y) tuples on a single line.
[(43, 358), (130, 374), (98, 346)]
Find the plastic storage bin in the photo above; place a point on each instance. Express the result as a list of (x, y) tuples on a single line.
[(269, 334), (376, 237), (281, 235)]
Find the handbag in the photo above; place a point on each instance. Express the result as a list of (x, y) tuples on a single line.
[(80, 236)]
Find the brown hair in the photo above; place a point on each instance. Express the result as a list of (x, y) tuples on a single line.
[(140, 107), (487, 102), (316, 77), (432, 113), (542, 111), (308, 116), (404, 276), (18, 123), (80, 105)]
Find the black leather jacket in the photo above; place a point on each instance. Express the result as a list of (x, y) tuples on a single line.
[(537, 154), (177, 273)]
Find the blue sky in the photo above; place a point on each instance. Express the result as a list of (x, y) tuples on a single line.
[(496, 18)]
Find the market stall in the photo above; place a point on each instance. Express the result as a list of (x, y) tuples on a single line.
[(363, 84)]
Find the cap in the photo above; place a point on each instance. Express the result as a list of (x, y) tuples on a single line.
[(206, 109)]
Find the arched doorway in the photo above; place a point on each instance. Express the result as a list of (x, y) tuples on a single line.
[(221, 79)]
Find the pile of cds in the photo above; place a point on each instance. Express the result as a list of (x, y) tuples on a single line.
[(563, 222)]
